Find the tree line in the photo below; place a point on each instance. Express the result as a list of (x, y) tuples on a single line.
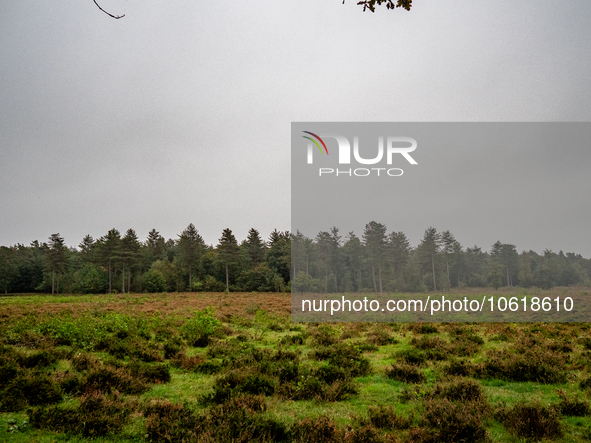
[(386, 262), (122, 263), (377, 261)]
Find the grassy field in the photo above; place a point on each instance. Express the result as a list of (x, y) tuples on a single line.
[(213, 367)]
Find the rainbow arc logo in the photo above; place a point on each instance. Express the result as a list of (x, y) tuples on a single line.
[(315, 142)]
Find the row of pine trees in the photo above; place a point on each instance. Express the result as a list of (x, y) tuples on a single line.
[(377, 261), (123, 263), (386, 262)]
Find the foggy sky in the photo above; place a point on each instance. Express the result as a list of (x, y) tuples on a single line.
[(180, 112)]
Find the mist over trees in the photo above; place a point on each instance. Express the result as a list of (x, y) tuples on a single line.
[(378, 261)]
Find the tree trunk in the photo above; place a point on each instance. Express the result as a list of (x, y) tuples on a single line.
[(380, 275), (52, 280), (508, 278), (433, 266), (58, 284), (129, 282), (307, 265), (110, 288), (227, 280), (373, 273), (190, 285), (448, 280), (123, 280)]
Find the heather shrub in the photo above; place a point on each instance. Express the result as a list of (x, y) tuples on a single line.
[(33, 389), (319, 429), (107, 379), (459, 389), (454, 421), (406, 373), (531, 421), (385, 417), (97, 415), (573, 406), (292, 340)]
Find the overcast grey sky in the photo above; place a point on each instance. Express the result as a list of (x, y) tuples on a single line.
[(180, 112)]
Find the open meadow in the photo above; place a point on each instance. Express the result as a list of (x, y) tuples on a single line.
[(215, 367)]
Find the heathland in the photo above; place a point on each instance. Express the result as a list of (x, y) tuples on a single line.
[(216, 367)]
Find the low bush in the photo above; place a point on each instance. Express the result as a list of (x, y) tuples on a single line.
[(385, 417), (181, 360), (292, 340), (107, 379), (585, 383), (38, 360), (461, 368), (412, 356), (208, 367), (573, 406), (34, 389), (84, 362), (319, 429), (533, 365), (97, 415), (460, 389), (406, 373), (531, 421), (453, 421)]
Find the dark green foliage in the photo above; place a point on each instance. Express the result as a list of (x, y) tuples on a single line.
[(324, 336), (181, 360), (236, 420), (154, 281), (236, 382), (330, 373), (257, 385), (292, 340), (532, 365), (129, 346), (406, 373), (453, 422), (38, 360), (32, 389), (460, 368), (288, 372), (460, 389), (97, 415), (366, 434), (346, 356), (319, 429), (168, 422), (380, 337), (157, 373), (107, 379), (385, 417), (208, 367), (532, 421), (71, 384), (424, 328), (412, 356), (573, 406), (585, 383), (84, 362), (171, 349)]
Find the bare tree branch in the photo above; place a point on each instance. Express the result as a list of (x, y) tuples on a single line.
[(109, 14)]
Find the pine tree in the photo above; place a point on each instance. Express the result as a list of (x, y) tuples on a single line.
[(109, 252), (374, 238), (56, 257), (190, 247), (228, 252)]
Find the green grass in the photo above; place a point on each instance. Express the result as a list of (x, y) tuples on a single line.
[(98, 332)]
